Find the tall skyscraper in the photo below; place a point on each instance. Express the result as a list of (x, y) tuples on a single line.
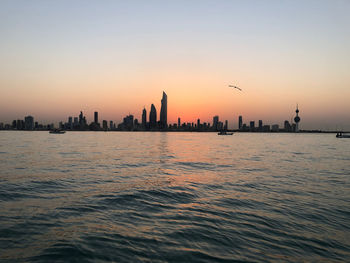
[(260, 125), (178, 122), (153, 117), (144, 118), (240, 122), (96, 117), (164, 112)]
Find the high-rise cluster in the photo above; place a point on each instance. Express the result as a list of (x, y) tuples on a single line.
[(130, 123)]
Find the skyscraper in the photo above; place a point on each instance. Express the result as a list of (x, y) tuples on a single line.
[(144, 118), (153, 117), (164, 112), (215, 122), (82, 121), (240, 122), (29, 123), (178, 122), (96, 117)]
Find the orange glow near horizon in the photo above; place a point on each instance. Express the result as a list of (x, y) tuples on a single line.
[(189, 97), (57, 62)]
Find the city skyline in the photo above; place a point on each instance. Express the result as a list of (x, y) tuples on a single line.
[(153, 122), (62, 57), (131, 123)]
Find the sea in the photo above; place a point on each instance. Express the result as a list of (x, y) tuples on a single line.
[(174, 197)]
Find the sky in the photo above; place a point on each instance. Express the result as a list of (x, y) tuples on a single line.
[(116, 57)]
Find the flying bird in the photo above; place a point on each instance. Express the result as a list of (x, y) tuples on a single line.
[(235, 87)]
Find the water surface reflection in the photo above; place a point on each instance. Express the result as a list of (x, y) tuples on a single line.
[(124, 197)]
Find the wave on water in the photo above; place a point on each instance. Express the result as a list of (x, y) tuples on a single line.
[(171, 202)]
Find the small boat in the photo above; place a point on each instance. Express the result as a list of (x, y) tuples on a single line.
[(57, 131), (342, 135), (225, 133)]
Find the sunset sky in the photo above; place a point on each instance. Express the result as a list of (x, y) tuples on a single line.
[(115, 57)]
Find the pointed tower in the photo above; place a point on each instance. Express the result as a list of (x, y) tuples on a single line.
[(164, 112), (153, 117), (297, 119), (144, 118)]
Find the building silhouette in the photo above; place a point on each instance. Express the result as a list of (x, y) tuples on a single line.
[(128, 122), (275, 128), (144, 118), (104, 125), (252, 126), (240, 122), (81, 118), (164, 112), (153, 117), (297, 120), (29, 123), (131, 124), (70, 123), (76, 122), (215, 122), (287, 126), (96, 117)]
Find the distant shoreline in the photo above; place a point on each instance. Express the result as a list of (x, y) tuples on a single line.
[(235, 131)]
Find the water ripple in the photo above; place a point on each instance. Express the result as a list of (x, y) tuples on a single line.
[(173, 197)]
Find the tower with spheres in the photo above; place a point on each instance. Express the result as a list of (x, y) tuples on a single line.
[(297, 120)]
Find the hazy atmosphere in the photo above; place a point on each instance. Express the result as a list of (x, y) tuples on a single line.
[(60, 57), (174, 131)]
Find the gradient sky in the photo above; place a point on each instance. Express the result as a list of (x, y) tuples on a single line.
[(60, 57)]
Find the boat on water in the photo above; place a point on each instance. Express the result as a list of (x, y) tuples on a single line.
[(57, 131), (342, 135), (225, 133)]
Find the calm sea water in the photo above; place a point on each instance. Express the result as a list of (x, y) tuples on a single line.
[(174, 197)]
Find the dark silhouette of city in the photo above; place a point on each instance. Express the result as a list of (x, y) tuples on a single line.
[(130, 123)]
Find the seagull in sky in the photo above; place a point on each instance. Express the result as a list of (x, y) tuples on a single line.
[(235, 87)]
